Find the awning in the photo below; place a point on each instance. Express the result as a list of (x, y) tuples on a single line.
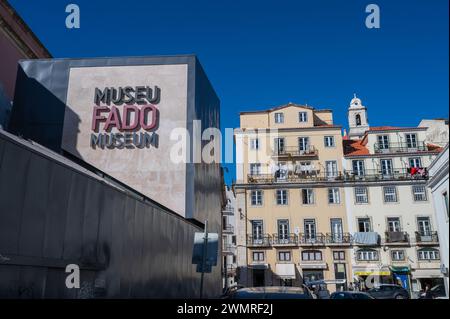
[(313, 266), (426, 273), (285, 271), (373, 273), (258, 266), (399, 268)]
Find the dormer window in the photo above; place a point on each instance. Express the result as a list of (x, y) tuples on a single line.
[(279, 118), (302, 117), (358, 120)]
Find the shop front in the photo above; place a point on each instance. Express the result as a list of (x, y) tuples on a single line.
[(366, 278), (421, 278), (401, 276)]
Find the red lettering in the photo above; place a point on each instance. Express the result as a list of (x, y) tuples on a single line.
[(128, 111), (113, 119), (145, 110), (97, 118)]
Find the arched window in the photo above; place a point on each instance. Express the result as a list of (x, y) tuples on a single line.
[(358, 119), (367, 254), (428, 254), (311, 255)]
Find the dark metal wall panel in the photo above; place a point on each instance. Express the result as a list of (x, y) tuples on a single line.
[(13, 181), (125, 247)]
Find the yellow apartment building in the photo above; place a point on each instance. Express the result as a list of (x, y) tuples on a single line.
[(291, 224)]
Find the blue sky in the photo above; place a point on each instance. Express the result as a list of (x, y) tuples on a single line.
[(266, 53)]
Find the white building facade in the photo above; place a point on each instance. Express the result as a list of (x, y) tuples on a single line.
[(390, 208), (439, 186), (229, 240)]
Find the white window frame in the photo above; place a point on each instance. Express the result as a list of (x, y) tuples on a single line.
[(315, 254), (285, 254), (383, 142), (256, 197), (367, 255), (259, 254), (390, 194), (327, 139), (279, 117), (395, 223), (361, 198), (254, 143), (398, 255), (411, 138), (419, 196), (366, 219), (310, 196), (428, 254), (334, 196), (255, 169), (281, 197), (303, 117), (415, 162)]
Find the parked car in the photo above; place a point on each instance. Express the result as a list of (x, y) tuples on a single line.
[(272, 293), (386, 291), (351, 295)]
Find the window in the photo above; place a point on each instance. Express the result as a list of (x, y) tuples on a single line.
[(303, 144), (284, 256), (279, 145), (358, 120), (364, 225), (333, 196), (424, 226), (394, 224), (383, 142), (310, 229), (311, 255), (428, 254), (331, 169), (283, 229), (361, 195), (419, 193), (390, 194), (339, 255), (258, 256), (302, 117), (254, 143), (358, 167), (255, 169), (398, 255), (307, 196), (386, 167), (337, 230), (282, 197), (329, 141), (279, 118), (411, 140), (367, 255), (257, 229), (415, 162), (257, 197)]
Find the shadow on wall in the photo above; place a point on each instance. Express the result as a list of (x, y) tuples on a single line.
[(44, 126), (246, 276), (5, 108)]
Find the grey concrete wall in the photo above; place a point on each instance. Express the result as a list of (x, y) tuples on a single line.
[(54, 212)]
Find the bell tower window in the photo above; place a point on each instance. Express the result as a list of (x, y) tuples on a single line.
[(358, 120)]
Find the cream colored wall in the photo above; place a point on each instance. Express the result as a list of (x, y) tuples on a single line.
[(326, 117), (254, 120), (291, 118), (394, 137)]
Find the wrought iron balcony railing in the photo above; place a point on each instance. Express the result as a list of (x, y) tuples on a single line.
[(427, 237), (338, 239), (381, 175), (396, 237), (227, 228), (228, 210), (400, 147), (287, 151), (259, 241), (312, 239), (285, 239), (294, 178)]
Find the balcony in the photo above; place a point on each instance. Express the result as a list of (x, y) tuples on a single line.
[(259, 241), (285, 240), (380, 175), (427, 238), (291, 177), (344, 239), (230, 269), (228, 249), (317, 239), (396, 238), (393, 148), (228, 210), (295, 152), (227, 229)]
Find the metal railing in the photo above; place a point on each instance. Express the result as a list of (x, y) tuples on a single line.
[(293, 178), (427, 237), (396, 237), (259, 241), (228, 247), (228, 210), (312, 239), (381, 175), (344, 238), (227, 228), (285, 239), (295, 151), (400, 148)]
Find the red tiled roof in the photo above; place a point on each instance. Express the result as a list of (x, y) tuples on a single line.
[(354, 147)]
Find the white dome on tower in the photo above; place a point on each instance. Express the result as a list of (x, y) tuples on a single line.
[(355, 102)]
